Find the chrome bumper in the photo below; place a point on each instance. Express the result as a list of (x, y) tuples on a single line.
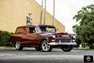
[(63, 43)]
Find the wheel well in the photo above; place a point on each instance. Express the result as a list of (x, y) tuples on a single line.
[(42, 40)]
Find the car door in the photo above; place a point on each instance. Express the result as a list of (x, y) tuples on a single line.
[(32, 36)]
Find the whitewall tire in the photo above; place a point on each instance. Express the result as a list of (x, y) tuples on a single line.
[(18, 46)]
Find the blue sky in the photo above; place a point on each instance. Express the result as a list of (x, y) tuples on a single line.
[(65, 10)]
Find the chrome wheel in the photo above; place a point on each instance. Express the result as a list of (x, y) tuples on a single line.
[(18, 46), (45, 46)]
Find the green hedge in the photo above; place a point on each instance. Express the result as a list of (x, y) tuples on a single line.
[(4, 38)]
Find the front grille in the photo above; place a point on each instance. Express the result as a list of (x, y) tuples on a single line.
[(62, 40)]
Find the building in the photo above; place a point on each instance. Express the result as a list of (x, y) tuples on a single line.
[(13, 14)]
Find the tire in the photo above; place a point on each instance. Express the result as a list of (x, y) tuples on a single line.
[(45, 47), (38, 48), (67, 48), (18, 46), (91, 46)]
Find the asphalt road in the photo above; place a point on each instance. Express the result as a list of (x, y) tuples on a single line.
[(29, 55)]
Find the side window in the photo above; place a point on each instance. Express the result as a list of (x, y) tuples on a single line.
[(20, 31), (32, 30), (37, 29)]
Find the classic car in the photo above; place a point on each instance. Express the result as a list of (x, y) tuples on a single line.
[(42, 37)]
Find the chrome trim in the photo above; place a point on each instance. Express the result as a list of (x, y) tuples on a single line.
[(63, 43)]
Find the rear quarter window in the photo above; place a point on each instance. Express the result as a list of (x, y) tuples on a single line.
[(20, 30)]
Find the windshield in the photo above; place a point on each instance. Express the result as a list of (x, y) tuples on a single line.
[(47, 29)]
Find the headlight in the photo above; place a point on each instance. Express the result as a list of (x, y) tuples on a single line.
[(74, 36), (53, 36)]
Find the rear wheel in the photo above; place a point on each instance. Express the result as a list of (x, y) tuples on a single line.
[(45, 47), (67, 48), (18, 46), (91, 46)]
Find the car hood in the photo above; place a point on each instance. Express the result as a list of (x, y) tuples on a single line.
[(58, 35)]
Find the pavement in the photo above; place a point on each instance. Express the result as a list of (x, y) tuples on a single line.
[(29, 55)]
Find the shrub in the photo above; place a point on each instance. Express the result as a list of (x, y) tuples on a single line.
[(4, 38)]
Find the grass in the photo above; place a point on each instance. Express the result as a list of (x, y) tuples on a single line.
[(6, 46), (86, 48)]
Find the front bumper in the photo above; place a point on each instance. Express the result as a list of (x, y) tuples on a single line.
[(62, 43)]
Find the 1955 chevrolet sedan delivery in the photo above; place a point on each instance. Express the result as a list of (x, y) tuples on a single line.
[(42, 37)]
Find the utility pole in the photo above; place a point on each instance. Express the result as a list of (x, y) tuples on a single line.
[(45, 13), (41, 14), (53, 12)]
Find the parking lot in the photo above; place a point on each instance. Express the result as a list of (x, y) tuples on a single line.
[(29, 55)]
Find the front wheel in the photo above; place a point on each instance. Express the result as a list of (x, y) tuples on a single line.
[(18, 46), (45, 47), (67, 48)]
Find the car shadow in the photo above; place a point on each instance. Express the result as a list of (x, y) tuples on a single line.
[(32, 50)]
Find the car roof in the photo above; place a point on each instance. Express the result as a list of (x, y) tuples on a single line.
[(25, 26), (46, 25)]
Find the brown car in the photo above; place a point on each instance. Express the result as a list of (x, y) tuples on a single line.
[(42, 37)]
